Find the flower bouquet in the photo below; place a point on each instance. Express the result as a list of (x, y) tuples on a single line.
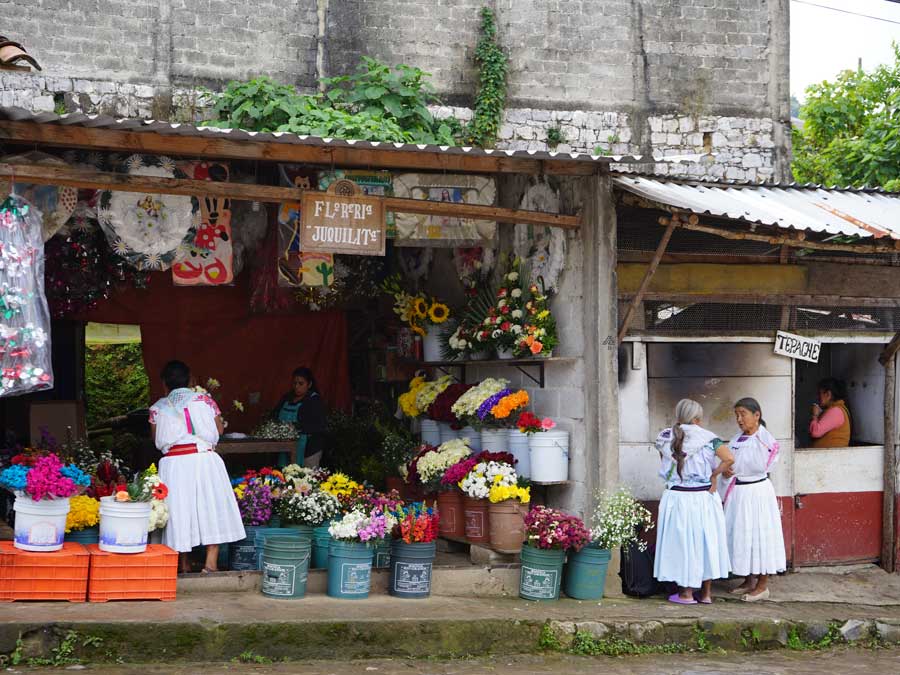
[(417, 310), (429, 391), (467, 406), (411, 470), (529, 423), (255, 502), (432, 466), (407, 400), (346, 491), (362, 526), (505, 320), (84, 513), (416, 524), (496, 410), (276, 431), (618, 520), (539, 335), (551, 529), (441, 409), (211, 390), (43, 477)]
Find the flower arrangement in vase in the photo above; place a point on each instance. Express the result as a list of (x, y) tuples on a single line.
[(441, 409), (255, 502), (307, 508), (468, 404), (407, 400), (362, 526), (418, 310), (84, 513), (346, 490), (505, 320), (428, 392)]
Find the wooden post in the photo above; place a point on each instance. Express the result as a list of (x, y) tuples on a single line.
[(645, 283), (888, 530)]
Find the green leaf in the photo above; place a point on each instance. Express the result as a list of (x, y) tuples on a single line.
[(376, 92)]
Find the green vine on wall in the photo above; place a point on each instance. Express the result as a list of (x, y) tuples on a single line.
[(491, 97)]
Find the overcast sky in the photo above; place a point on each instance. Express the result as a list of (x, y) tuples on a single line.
[(824, 42)]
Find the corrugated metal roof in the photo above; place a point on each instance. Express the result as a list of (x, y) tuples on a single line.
[(167, 128), (833, 212)]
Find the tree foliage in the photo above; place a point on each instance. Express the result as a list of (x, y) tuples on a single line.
[(851, 130), (115, 381)]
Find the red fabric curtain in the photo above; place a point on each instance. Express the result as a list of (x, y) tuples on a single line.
[(213, 331)]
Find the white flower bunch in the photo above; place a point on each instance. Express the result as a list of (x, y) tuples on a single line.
[(295, 472), (618, 519), (458, 342), (433, 465), (500, 473), (430, 390), (311, 508), (475, 484), (159, 514), (349, 527), (467, 404), (274, 430)]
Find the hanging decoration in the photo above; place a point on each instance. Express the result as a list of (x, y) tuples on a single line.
[(56, 204), (205, 258), (144, 228), (24, 318), (296, 267), (445, 231), (249, 222), (356, 279), (543, 249)]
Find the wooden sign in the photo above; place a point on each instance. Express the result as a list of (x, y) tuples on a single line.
[(797, 347), (340, 223)]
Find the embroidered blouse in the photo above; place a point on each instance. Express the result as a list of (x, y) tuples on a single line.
[(700, 447), (184, 417), (754, 455)]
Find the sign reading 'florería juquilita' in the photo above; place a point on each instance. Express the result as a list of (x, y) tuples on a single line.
[(334, 223)]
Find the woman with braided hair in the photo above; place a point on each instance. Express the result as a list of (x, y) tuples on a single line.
[(691, 546)]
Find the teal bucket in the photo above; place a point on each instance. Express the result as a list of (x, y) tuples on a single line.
[(305, 531), (382, 560), (585, 575), (541, 573), (411, 567), (89, 535), (321, 543), (222, 560), (285, 567), (242, 553), (349, 569), (264, 532), (274, 521)]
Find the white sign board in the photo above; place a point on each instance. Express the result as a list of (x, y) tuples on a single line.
[(797, 347)]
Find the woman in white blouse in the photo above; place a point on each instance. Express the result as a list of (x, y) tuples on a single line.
[(752, 516), (691, 547), (202, 507)]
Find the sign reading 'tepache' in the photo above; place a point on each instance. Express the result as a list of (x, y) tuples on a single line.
[(797, 347)]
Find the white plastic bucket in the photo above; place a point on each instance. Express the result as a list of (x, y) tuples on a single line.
[(431, 433), (549, 452), (447, 433), (41, 525), (431, 345), (519, 447), (473, 436), (505, 354), (123, 526), (494, 440)]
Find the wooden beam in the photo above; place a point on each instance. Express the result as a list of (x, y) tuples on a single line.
[(796, 300), (219, 146), (100, 180), (888, 502), (889, 351), (651, 269)]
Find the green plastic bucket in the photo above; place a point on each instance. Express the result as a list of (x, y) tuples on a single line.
[(585, 575), (264, 532), (305, 531), (89, 535), (382, 559), (321, 543), (411, 566), (285, 567), (242, 553), (541, 573), (349, 569), (274, 521)]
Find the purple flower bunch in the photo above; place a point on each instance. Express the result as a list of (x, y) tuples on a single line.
[(553, 529), (255, 503), (377, 527), (488, 404)]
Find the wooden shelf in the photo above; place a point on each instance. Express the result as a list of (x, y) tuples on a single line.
[(522, 365)]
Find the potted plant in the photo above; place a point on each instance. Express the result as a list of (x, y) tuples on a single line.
[(351, 552), (412, 551), (617, 521), (549, 534), (125, 517), (42, 485)]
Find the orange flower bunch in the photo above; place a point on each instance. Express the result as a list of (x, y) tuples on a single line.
[(531, 343), (508, 404)]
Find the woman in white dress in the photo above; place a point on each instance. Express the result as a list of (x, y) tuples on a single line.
[(202, 507), (691, 547), (755, 538)]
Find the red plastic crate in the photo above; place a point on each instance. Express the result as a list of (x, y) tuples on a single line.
[(29, 575), (152, 575)]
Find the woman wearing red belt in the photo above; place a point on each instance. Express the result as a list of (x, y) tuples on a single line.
[(202, 507)]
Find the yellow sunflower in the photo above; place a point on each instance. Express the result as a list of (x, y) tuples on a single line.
[(417, 329), (439, 312), (420, 307)]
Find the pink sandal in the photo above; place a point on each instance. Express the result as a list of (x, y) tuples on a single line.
[(678, 600)]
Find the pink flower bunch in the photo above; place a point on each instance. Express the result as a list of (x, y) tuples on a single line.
[(47, 479), (458, 471), (553, 529), (376, 528), (384, 502)]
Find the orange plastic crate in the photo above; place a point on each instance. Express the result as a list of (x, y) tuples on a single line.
[(152, 575), (28, 575)]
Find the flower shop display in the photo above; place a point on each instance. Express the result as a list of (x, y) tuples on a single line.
[(432, 465), (255, 502), (441, 409), (309, 509), (397, 448), (25, 363), (82, 520), (550, 533), (407, 400), (411, 475), (429, 391), (125, 518), (42, 485), (476, 488), (617, 521), (548, 452), (342, 487), (412, 551)]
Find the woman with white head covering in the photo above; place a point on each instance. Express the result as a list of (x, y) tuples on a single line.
[(691, 546), (755, 538)]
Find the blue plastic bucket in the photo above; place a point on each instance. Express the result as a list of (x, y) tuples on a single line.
[(89, 535), (349, 569), (382, 560), (285, 567), (305, 531), (411, 567), (321, 543), (242, 553), (264, 532), (541, 573), (585, 576)]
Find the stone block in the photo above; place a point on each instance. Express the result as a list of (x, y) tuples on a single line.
[(482, 555), (518, 115), (855, 629), (670, 125), (594, 628), (656, 124), (888, 632), (674, 139), (42, 104), (540, 115), (647, 633), (751, 161)]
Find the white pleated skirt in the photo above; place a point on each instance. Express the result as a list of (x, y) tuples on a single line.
[(755, 538), (691, 546), (203, 509)]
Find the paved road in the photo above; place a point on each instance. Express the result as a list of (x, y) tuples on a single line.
[(837, 662)]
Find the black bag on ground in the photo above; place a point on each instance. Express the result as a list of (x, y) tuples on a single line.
[(636, 571)]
